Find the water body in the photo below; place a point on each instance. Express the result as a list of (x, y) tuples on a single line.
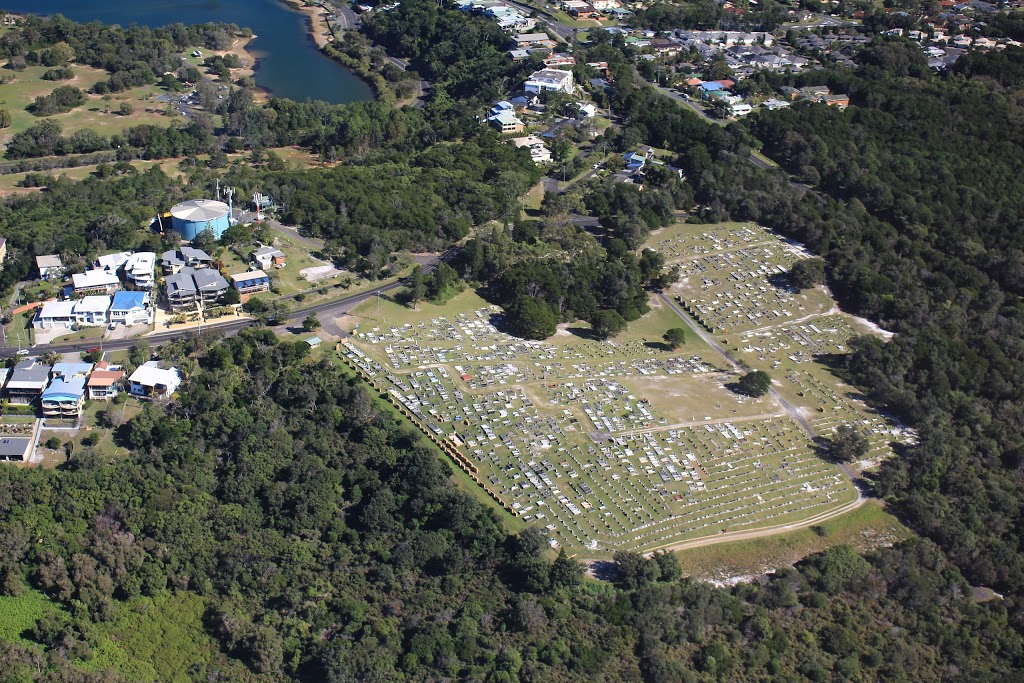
[(289, 63)]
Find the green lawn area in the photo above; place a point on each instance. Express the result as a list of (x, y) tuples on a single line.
[(98, 113), (19, 330), (865, 528)]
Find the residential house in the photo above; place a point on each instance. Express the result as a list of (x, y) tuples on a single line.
[(112, 263), (50, 267), (841, 101), (55, 315), (140, 269), (530, 39), (506, 122), (210, 284), (104, 382), (586, 110), (130, 308), (180, 290), (93, 310), (196, 258), (557, 60), (266, 257), (709, 87), (635, 161), (150, 380), (64, 398), (538, 151), (189, 286), (28, 379), (251, 282), (16, 448), (549, 79), (739, 109), (95, 282), (172, 262)]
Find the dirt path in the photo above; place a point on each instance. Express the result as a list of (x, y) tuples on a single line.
[(745, 535)]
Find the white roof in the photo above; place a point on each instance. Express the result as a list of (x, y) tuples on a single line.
[(141, 262), (149, 375), (114, 260), (528, 141), (249, 275), (550, 76), (93, 304), (57, 309), (93, 278), (199, 210)]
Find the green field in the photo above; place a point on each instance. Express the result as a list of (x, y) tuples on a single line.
[(98, 114)]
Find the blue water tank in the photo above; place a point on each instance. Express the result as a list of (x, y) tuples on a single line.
[(197, 215)]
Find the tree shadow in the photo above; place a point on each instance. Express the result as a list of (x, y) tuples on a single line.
[(604, 570), (784, 282), (659, 346)]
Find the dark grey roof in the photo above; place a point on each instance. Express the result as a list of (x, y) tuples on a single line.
[(197, 254), (14, 446), (180, 282), (31, 370), (209, 280)]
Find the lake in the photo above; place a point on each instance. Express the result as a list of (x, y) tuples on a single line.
[(290, 65)]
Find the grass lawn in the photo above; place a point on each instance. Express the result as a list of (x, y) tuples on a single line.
[(19, 330), (98, 113), (83, 335), (865, 528)]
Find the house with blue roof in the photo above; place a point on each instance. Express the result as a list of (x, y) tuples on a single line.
[(64, 398), (634, 160), (131, 308), (708, 87)]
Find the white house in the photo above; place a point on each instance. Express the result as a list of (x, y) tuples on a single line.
[(140, 269), (95, 282), (538, 152), (112, 262), (549, 79), (50, 267), (130, 308), (92, 310), (739, 109), (149, 379), (55, 315)]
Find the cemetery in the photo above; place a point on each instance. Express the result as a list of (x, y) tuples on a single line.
[(624, 444)]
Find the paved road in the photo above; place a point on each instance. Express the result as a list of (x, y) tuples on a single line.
[(689, 105), (292, 232)]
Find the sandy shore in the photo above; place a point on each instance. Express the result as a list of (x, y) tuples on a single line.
[(240, 48), (316, 15)]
